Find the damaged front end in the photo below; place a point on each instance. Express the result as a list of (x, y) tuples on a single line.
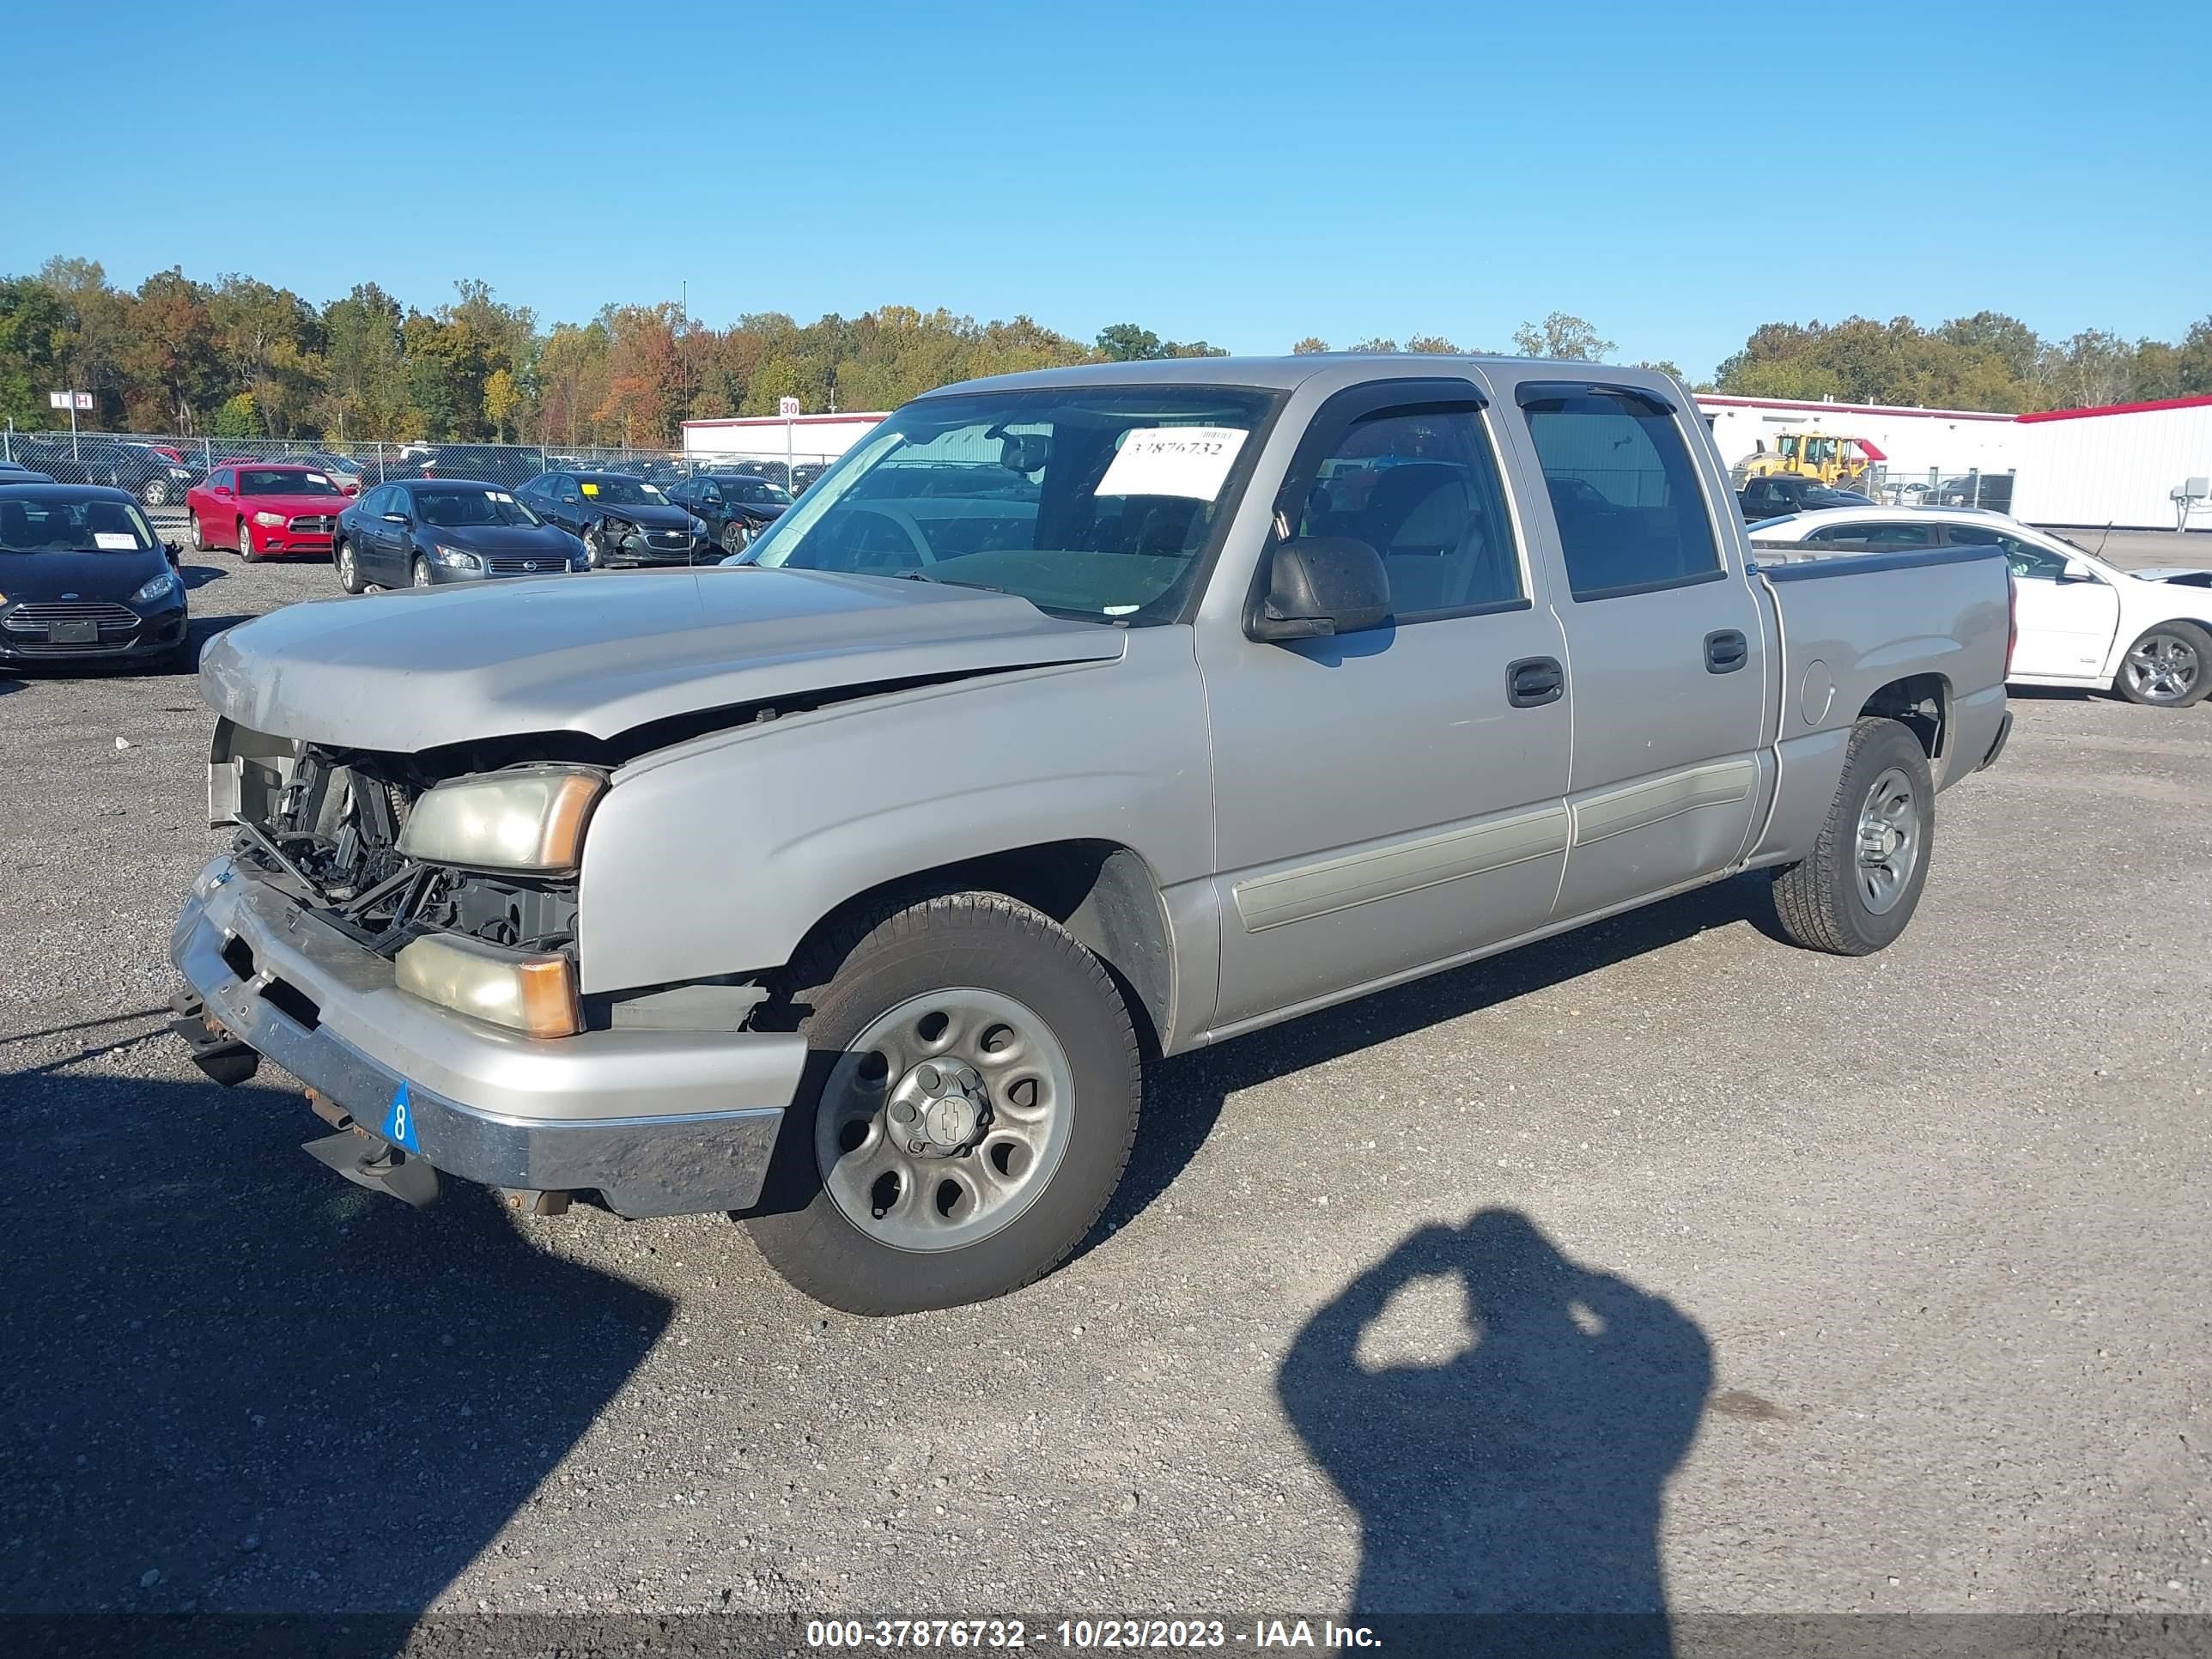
[(332, 827), (399, 932)]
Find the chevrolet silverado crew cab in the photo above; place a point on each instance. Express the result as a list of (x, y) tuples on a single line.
[(1071, 718)]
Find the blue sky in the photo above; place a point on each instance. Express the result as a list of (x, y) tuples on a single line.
[(1244, 173)]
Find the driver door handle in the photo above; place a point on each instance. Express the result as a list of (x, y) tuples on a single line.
[(1726, 651)]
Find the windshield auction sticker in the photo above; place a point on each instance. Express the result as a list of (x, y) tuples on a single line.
[(1173, 460)]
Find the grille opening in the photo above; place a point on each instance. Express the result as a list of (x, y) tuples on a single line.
[(238, 956), (293, 1003)]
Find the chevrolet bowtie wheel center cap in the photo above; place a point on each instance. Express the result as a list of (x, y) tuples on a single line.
[(937, 1108)]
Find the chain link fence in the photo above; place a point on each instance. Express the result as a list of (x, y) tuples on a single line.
[(1935, 486), (159, 469), (1891, 485)]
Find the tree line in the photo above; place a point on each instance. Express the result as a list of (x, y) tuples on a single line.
[(241, 358)]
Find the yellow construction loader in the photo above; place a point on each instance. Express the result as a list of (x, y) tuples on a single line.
[(1840, 462)]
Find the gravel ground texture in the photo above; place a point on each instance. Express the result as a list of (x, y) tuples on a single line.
[(1661, 1264)]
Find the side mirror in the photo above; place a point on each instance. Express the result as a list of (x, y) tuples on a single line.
[(397, 518), (2075, 571), (174, 553), (1319, 585)]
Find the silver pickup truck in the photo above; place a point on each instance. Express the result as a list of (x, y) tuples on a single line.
[(1071, 719)]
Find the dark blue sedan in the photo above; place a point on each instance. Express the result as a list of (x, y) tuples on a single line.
[(425, 533)]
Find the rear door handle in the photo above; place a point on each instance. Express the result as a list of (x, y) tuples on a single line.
[(1726, 652), (1535, 681)]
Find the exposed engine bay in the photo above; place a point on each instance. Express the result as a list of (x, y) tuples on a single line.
[(329, 824)]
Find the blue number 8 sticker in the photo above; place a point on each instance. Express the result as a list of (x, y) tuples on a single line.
[(399, 1123)]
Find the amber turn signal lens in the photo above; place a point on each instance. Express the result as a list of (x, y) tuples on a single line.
[(535, 995)]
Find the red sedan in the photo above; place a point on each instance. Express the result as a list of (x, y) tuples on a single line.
[(262, 510)]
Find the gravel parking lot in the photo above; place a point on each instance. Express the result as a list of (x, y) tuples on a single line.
[(1662, 1264)]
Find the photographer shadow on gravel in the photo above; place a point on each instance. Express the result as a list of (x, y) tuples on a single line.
[(1523, 1477)]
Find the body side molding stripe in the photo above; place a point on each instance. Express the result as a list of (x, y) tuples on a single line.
[(1400, 868), (1616, 812)]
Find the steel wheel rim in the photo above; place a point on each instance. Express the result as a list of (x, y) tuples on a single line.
[(987, 1093), (345, 566), (2163, 668), (733, 538), (1888, 842), (192, 530), (422, 577)]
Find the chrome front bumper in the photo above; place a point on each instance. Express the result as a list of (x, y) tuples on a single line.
[(658, 1123)]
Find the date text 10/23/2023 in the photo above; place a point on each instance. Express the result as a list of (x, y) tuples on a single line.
[(1083, 1634)]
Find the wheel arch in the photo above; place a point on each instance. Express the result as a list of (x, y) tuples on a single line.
[(1103, 892), (1919, 702)]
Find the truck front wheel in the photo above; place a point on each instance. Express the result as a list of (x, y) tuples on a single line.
[(1854, 891), (971, 1098)]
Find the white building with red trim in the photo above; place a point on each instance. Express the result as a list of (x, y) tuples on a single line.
[(803, 437), (2119, 465), (1906, 439)]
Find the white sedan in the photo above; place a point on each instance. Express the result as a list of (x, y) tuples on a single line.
[(2144, 634)]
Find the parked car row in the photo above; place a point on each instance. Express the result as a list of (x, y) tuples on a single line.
[(155, 474)]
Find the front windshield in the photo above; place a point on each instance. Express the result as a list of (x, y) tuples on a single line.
[(53, 524), (457, 509), (1095, 502), (610, 489), (273, 481)]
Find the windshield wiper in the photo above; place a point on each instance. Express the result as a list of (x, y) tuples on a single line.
[(919, 574)]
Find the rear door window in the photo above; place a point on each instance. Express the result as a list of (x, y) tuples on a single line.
[(1631, 511)]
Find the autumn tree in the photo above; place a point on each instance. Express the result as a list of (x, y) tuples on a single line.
[(170, 356), (1567, 338), (503, 401)]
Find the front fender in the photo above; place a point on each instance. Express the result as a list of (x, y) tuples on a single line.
[(719, 856)]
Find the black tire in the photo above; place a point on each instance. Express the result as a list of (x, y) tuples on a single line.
[(1822, 902), (418, 574), (881, 960), (194, 534), (154, 492), (2184, 652), (595, 547), (348, 567), (245, 544), (734, 538)]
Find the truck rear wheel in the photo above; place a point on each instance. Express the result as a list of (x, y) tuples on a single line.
[(971, 1096), (1853, 893)]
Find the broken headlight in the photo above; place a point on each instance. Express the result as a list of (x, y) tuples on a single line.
[(529, 819)]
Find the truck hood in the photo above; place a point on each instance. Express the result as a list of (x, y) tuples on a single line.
[(604, 655)]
